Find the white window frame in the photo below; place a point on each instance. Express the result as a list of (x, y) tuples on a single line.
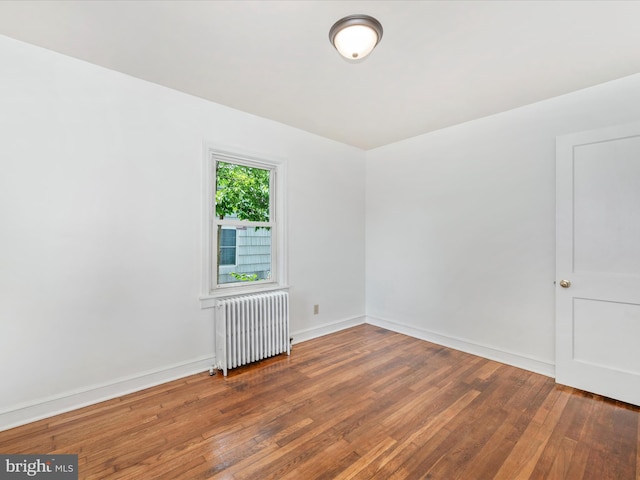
[(211, 291)]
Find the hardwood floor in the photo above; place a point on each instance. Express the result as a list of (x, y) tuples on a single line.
[(364, 403)]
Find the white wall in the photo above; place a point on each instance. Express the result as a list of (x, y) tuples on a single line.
[(100, 230), (461, 226)]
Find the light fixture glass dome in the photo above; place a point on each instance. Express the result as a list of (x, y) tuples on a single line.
[(355, 36)]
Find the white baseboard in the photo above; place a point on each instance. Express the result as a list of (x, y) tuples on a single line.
[(509, 358), (310, 333), (47, 407)]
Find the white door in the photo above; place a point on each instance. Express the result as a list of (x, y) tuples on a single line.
[(598, 262)]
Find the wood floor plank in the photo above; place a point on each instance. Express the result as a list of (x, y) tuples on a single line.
[(363, 403), (325, 465), (382, 447), (525, 455), (555, 442), (562, 460), (496, 449)]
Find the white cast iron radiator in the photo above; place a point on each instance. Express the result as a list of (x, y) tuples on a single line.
[(250, 328)]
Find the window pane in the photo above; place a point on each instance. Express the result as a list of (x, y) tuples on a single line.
[(242, 192), (252, 257)]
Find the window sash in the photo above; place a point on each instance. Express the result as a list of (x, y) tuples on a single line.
[(274, 278)]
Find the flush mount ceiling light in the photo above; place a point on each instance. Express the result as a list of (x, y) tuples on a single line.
[(355, 36)]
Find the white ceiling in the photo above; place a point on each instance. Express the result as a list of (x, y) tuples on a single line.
[(439, 63)]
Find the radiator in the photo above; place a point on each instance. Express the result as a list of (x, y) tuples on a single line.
[(251, 327)]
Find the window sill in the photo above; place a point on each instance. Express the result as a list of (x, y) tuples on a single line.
[(209, 301)]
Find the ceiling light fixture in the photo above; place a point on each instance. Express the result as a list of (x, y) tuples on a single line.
[(355, 36)]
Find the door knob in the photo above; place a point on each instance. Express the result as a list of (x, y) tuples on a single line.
[(565, 283)]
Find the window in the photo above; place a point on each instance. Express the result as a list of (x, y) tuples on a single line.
[(244, 244)]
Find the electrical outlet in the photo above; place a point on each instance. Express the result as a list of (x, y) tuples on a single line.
[(316, 309)]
